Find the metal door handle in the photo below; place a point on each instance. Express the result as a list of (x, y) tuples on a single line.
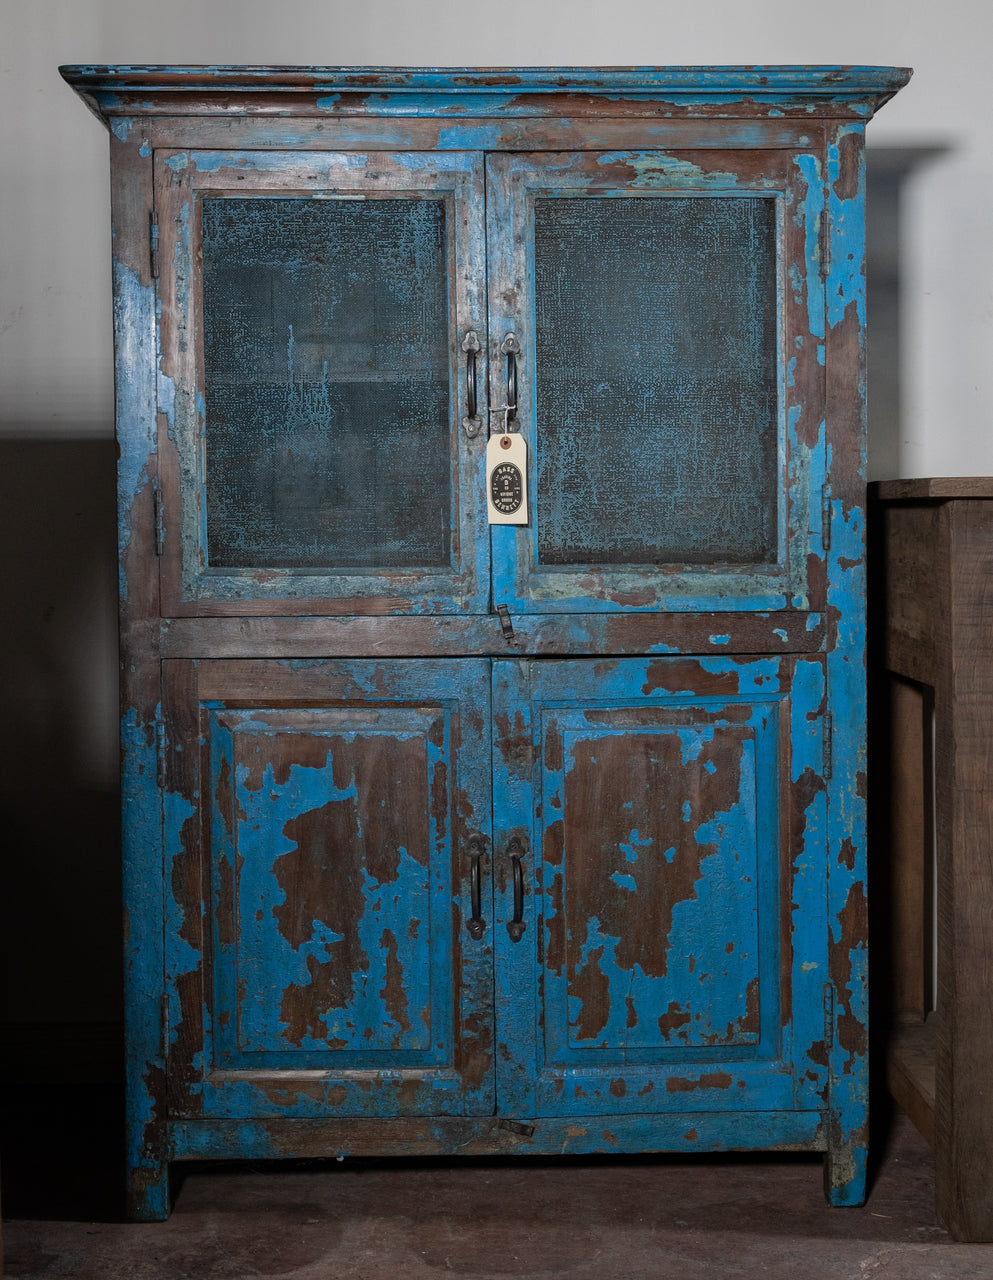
[(511, 348), (516, 926), (472, 422), (475, 924)]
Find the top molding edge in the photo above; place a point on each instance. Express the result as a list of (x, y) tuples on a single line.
[(112, 89)]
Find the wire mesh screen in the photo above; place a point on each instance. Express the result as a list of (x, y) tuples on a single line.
[(656, 375), (326, 383)]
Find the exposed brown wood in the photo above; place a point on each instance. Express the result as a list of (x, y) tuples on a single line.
[(909, 847), (189, 880), (910, 1072), (451, 637), (373, 1136), (359, 133), (192, 91), (938, 487), (964, 781), (132, 203), (938, 563), (912, 612)]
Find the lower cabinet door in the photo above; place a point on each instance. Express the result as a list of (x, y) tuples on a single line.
[(515, 888), (322, 819), (664, 821)]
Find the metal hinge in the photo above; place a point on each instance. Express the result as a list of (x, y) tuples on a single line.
[(157, 515), (826, 518), (828, 762), (153, 242)]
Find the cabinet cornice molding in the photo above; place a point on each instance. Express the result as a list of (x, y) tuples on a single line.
[(693, 92)]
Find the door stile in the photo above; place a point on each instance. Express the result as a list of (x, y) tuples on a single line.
[(518, 980)]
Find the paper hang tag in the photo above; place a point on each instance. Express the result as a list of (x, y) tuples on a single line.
[(507, 478)]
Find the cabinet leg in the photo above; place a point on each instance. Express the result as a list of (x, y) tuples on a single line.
[(845, 1172), (148, 1198)]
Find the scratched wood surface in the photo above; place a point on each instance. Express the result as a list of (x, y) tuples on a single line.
[(403, 872)]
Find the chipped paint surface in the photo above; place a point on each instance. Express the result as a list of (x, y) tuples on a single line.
[(337, 859), (653, 812), (654, 760)]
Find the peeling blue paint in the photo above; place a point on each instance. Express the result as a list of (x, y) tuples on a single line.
[(812, 210), (846, 283), (134, 353), (681, 1033)]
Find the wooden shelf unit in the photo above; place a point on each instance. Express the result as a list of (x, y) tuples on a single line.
[(934, 673)]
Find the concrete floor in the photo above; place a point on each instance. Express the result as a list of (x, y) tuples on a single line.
[(622, 1219)]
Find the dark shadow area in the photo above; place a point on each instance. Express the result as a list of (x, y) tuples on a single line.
[(63, 1152), (60, 883), (60, 931)]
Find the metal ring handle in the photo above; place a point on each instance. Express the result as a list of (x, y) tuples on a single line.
[(470, 345), (511, 348), (516, 926)]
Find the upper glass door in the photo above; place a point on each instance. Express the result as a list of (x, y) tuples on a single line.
[(317, 457), (669, 385)]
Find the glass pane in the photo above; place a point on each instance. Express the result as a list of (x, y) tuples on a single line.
[(326, 390), (656, 380)]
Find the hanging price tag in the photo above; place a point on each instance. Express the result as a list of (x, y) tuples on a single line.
[(506, 478)]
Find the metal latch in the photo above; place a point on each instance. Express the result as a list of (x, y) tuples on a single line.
[(515, 1126), (503, 613)]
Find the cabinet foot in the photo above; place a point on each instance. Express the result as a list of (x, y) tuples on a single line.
[(845, 1174), (148, 1196)]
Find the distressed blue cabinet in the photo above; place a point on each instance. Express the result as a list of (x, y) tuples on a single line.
[(446, 834)]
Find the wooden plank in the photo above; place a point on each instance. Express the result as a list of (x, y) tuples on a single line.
[(938, 487), (546, 634), (688, 1132), (910, 1072), (912, 536), (490, 134), (908, 841), (964, 783)]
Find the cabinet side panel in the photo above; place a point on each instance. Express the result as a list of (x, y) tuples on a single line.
[(845, 1167), (135, 369)]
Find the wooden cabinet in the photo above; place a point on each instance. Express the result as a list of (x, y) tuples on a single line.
[(446, 834)]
